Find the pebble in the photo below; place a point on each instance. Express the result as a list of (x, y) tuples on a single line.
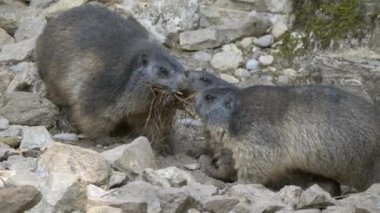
[(66, 137), (265, 41), (252, 65), (242, 73), (229, 78), (226, 61), (202, 56), (266, 60), (4, 123), (282, 80)]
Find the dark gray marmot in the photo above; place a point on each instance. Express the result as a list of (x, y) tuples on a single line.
[(103, 66), (274, 132), (221, 165)]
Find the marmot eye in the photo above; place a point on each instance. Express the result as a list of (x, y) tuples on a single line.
[(205, 80), (163, 70), (209, 97)]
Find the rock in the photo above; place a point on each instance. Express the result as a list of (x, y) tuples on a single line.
[(202, 56), (266, 60), (355, 71), (17, 162), (21, 177), (11, 16), (281, 24), (252, 65), (175, 200), (229, 78), (193, 211), (5, 38), (27, 79), (170, 176), (30, 27), (290, 73), (342, 209), (24, 108), (200, 192), (290, 195), (13, 53), (89, 165), (4, 123), (308, 211), (35, 137), (6, 76), (116, 179), (41, 3), (220, 203), (150, 176), (246, 44), (65, 137), (226, 61), (62, 192), (199, 39), (18, 198), (131, 158), (60, 6), (265, 41), (6, 151), (192, 166), (315, 196), (367, 201), (136, 196), (12, 136), (257, 196), (253, 24), (282, 80), (104, 209)]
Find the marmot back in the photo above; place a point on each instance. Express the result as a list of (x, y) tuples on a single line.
[(275, 131), (103, 67)]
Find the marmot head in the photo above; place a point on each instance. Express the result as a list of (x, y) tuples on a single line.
[(161, 69), (215, 106), (203, 80)]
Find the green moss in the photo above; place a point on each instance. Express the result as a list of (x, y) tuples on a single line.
[(330, 20), (291, 47)]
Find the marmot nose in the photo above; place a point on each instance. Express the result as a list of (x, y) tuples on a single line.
[(183, 82)]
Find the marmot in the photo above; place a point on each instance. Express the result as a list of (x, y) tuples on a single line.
[(103, 66), (221, 165), (277, 131)]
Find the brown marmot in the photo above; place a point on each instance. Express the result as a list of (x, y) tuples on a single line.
[(277, 131), (103, 66), (221, 165)]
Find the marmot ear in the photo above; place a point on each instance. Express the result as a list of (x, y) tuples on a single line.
[(144, 59)]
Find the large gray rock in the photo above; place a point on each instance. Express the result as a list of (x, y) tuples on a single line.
[(274, 6), (170, 176), (6, 76), (4, 123), (5, 38), (12, 136), (41, 3), (136, 196), (365, 201), (22, 177), (315, 196), (11, 17), (104, 209), (356, 71), (199, 39), (290, 195), (200, 192), (17, 52), (89, 165), (24, 108), (226, 61), (62, 192), (175, 200), (17, 162), (30, 27), (131, 158), (6, 151), (27, 79), (259, 198), (18, 198), (35, 137), (220, 203)]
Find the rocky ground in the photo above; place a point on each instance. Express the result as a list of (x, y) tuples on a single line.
[(46, 167)]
